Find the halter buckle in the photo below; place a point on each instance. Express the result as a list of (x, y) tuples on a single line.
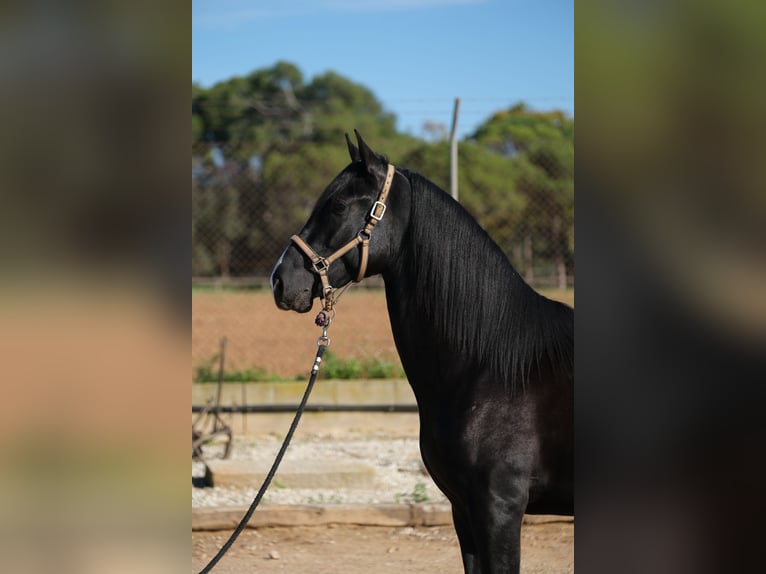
[(375, 206)]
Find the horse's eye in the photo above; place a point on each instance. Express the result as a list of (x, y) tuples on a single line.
[(338, 207)]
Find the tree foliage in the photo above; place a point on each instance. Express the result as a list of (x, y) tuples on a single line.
[(266, 144), (542, 147)]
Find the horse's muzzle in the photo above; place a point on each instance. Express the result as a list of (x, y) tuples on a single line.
[(286, 296)]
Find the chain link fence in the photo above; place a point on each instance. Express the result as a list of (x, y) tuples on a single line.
[(242, 219)]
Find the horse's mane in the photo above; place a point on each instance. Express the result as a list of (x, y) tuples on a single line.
[(477, 303)]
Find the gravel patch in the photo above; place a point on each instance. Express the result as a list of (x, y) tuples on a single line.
[(400, 476)]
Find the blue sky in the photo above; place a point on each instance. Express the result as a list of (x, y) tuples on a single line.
[(416, 56)]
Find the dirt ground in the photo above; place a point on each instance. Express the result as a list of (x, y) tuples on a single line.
[(547, 548), (283, 343)]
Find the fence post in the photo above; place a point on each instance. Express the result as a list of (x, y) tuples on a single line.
[(453, 151)]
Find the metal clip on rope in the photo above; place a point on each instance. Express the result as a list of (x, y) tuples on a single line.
[(323, 340)]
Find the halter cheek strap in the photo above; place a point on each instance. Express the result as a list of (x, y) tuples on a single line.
[(322, 264)]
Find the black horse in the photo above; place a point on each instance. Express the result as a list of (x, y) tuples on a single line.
[(490, 360)]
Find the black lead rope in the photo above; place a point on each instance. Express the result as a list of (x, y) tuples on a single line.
[(323, 342)]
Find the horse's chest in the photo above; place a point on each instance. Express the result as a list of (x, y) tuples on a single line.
[(459, 448), (443, 464), (449, 452)]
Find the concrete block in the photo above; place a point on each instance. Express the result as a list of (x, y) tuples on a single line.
[(315, 474), (227, 518)]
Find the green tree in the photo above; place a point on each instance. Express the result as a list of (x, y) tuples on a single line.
[(337, 105), (217, 222), (265, 145), (278, 142), (542, 147)]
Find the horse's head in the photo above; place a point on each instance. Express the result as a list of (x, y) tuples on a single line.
[(353, 232)]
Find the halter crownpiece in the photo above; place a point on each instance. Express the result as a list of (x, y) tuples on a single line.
[(322, 264)]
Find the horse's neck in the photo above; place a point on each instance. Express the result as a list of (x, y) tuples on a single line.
[(419, 341), (432, 366), (415, 340), (447, 326)]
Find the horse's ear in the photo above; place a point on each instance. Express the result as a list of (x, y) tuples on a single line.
[(370, 160), (353, 151)]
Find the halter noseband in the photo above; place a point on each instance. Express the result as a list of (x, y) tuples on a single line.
[(322, 264)]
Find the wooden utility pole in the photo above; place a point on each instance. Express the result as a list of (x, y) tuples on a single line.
[(453, 151)]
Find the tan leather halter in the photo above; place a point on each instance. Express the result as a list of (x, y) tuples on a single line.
[(322, 264)]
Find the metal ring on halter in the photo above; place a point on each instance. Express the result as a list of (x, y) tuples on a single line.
[(321, 265)]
